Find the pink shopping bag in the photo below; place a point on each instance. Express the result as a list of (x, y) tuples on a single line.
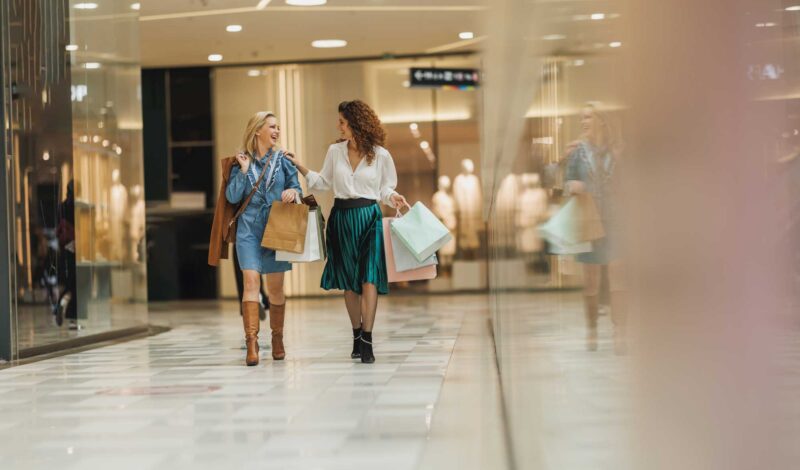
[(419, 274)]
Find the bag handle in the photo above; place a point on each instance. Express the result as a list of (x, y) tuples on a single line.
[(243, 206), (399, 214)]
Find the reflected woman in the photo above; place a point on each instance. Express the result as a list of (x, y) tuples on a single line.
[(361, 174), (260, 162), (592, 168)]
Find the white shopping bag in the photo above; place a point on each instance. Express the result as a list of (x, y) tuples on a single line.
[(421, 232), (404, 260), (314, 249)]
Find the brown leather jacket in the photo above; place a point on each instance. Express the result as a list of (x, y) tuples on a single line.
[(223, 213)]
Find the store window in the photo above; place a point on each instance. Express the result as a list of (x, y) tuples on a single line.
[(74, 191)]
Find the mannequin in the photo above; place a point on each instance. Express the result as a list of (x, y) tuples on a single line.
[(469, 202), (137, 223), (532, 212), (507, 206), (445, 209), (117, 218)]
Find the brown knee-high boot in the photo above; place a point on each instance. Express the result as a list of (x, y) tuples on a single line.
[(251, 327), (592, 312), (277, 314)]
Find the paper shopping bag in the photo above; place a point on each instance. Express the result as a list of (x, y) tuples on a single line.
[(421, 232), (404, 260), (313, 249), (575, 224), (419, 274), (286, 227)]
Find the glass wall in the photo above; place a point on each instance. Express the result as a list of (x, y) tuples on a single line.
[(72, 113), (654, 148)]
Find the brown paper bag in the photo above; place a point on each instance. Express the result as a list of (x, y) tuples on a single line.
[(591, 226), (286, 227)]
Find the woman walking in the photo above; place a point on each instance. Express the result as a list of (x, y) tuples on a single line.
[(361, 174), (592, 169), (262, 170)]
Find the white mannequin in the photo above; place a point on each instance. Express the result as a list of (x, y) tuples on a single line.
[(137, 226), (532, 212), (507, 205), (118, 216), (445, 208), (469, 206)]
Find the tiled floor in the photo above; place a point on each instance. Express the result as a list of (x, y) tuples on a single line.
[(183, 399)]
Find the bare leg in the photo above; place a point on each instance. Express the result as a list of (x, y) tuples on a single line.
[(591, 279), (619, 306), (353, 303)]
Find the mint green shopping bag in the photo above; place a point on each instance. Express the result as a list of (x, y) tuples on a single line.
[(421, 232)]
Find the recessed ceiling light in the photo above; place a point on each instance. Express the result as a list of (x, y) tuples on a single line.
[(71, 47), (793, 8), (136, 6), (233, 28), (329, 43), (215, 57), (413, 126), (615, 44), (424, 145), (578, 62), (85, 6), (467, 35), (554, 37), (306, 3), (598, 16), (92, 65), (253, 73)]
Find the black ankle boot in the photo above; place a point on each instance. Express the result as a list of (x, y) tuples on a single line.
[(366, 348), (356, 344)]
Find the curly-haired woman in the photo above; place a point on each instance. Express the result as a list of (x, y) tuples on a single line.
[(361, 174)]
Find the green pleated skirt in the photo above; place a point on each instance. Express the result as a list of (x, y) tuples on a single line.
[(355, 250)]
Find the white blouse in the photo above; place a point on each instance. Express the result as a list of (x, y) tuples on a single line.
[(376, 181)]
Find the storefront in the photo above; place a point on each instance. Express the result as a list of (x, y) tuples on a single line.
[(73, 214)]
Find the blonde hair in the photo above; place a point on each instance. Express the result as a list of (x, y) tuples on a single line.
[(250, 139), (607, 132)]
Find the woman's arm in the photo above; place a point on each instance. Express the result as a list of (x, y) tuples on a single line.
[(238, 186), (321, 181), (293, 189), (572, 175), (388, 195)]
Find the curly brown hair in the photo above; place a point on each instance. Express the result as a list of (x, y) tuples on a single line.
[(366, 126)]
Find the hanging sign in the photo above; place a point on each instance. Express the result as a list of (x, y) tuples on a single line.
[(463, 79)]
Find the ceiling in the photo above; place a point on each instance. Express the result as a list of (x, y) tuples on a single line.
[(185, 32)]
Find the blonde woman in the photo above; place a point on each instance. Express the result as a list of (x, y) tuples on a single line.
[(261, 161), (592, 168)]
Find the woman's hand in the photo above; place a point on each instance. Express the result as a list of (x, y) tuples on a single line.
[(244, 162), (296, 162), (576, 187), (398, 201), (289, 195)]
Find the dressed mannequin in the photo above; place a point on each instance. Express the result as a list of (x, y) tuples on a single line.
[(137, 223), (445, 209), (117, 217), (507, 206), (469, 208), (532, 212)]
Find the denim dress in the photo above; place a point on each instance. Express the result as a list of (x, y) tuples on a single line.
[(597, 170), (281, 175)]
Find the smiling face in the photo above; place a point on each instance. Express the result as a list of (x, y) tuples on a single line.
[(270, 133), (588, 122), (344, 128)]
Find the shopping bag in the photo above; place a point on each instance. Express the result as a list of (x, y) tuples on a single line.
[(286, 227), (575, 224), (404, 260), (314, 243), (419, 274), (421, 232)]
